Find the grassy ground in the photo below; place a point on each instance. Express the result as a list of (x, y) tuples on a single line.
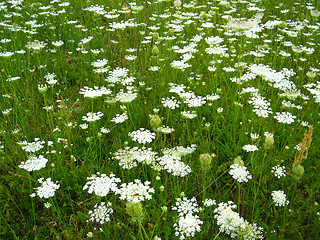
[(167, 96)]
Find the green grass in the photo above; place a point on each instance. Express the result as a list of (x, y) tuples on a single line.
[(222, 127)]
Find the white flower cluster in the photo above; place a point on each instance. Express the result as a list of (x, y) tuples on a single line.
[(120, 118), (250, 148), (47, 188), (142, 136), (285, 117), (50, 78), (188, 223), (34, 146), (101, 213), (173, 165), (34, 163), (231, 223), (130, 157), (279, 198), (135, 191), (279, 171), (240, 173), (209, 202), (171, 103), (92, 117), (101, 184), (179, 151), (261, 106), (94, 92)]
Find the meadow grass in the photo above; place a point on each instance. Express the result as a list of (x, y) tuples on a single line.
[(159, 119)]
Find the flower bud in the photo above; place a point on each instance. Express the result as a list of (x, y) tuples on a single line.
[(238, 160), (164, 209), (155, 121), (298, 171), (134, 210), (205, 161), (177, 3), (269, 141), (155, 50)]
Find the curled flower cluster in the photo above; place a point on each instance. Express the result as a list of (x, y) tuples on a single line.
[(34, 146), (231, 223)]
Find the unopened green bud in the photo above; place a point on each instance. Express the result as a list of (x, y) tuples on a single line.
[(161, 188), (205, 161), (164, 209), (282, 24), (155, 50), (155, 36), (268, 143), (238, 160), (155, 121), (134, 210), (298, 171), (311, 74)]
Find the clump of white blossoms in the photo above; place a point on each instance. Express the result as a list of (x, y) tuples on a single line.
[(135, 191), (92, 117), (209, 202), (34, 146), (130, 157), (50, 78), (47, 188), (120, 118), (231, 223), (94, 92), (173, 165), (142, 136), (101, 213), (189, 223), (250, 148), (279, 198), (171, 103), (240, 173), (34, 163), (279, 171), (285, 117), (101, 184)]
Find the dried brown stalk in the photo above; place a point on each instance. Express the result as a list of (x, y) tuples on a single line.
[(304, 146)]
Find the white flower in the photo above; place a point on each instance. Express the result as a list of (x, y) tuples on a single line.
[(187, 226), (101, 213), (279, 198), (50, 78), (94, 92), (135, 191), (173, 165), (285, 117), (84, 125), (171, 103), (91, 117), (186, 206), (34, 146), (188, 114), (104, 130), (250, 148), (120, 118), (279, 171), (231, 223), (47, 188), (142, 136), (240, 173), (101, 184), (209, 202), (34, 163)]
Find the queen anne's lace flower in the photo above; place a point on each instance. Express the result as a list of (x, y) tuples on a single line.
[(279, 171), (34, 146), (279, 198), (250, 148), (101, 184), (231, 223), (47, 188), (34, 163), (240, 173), (135, 191), (101, 213), (142, 136), (173, 165)]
